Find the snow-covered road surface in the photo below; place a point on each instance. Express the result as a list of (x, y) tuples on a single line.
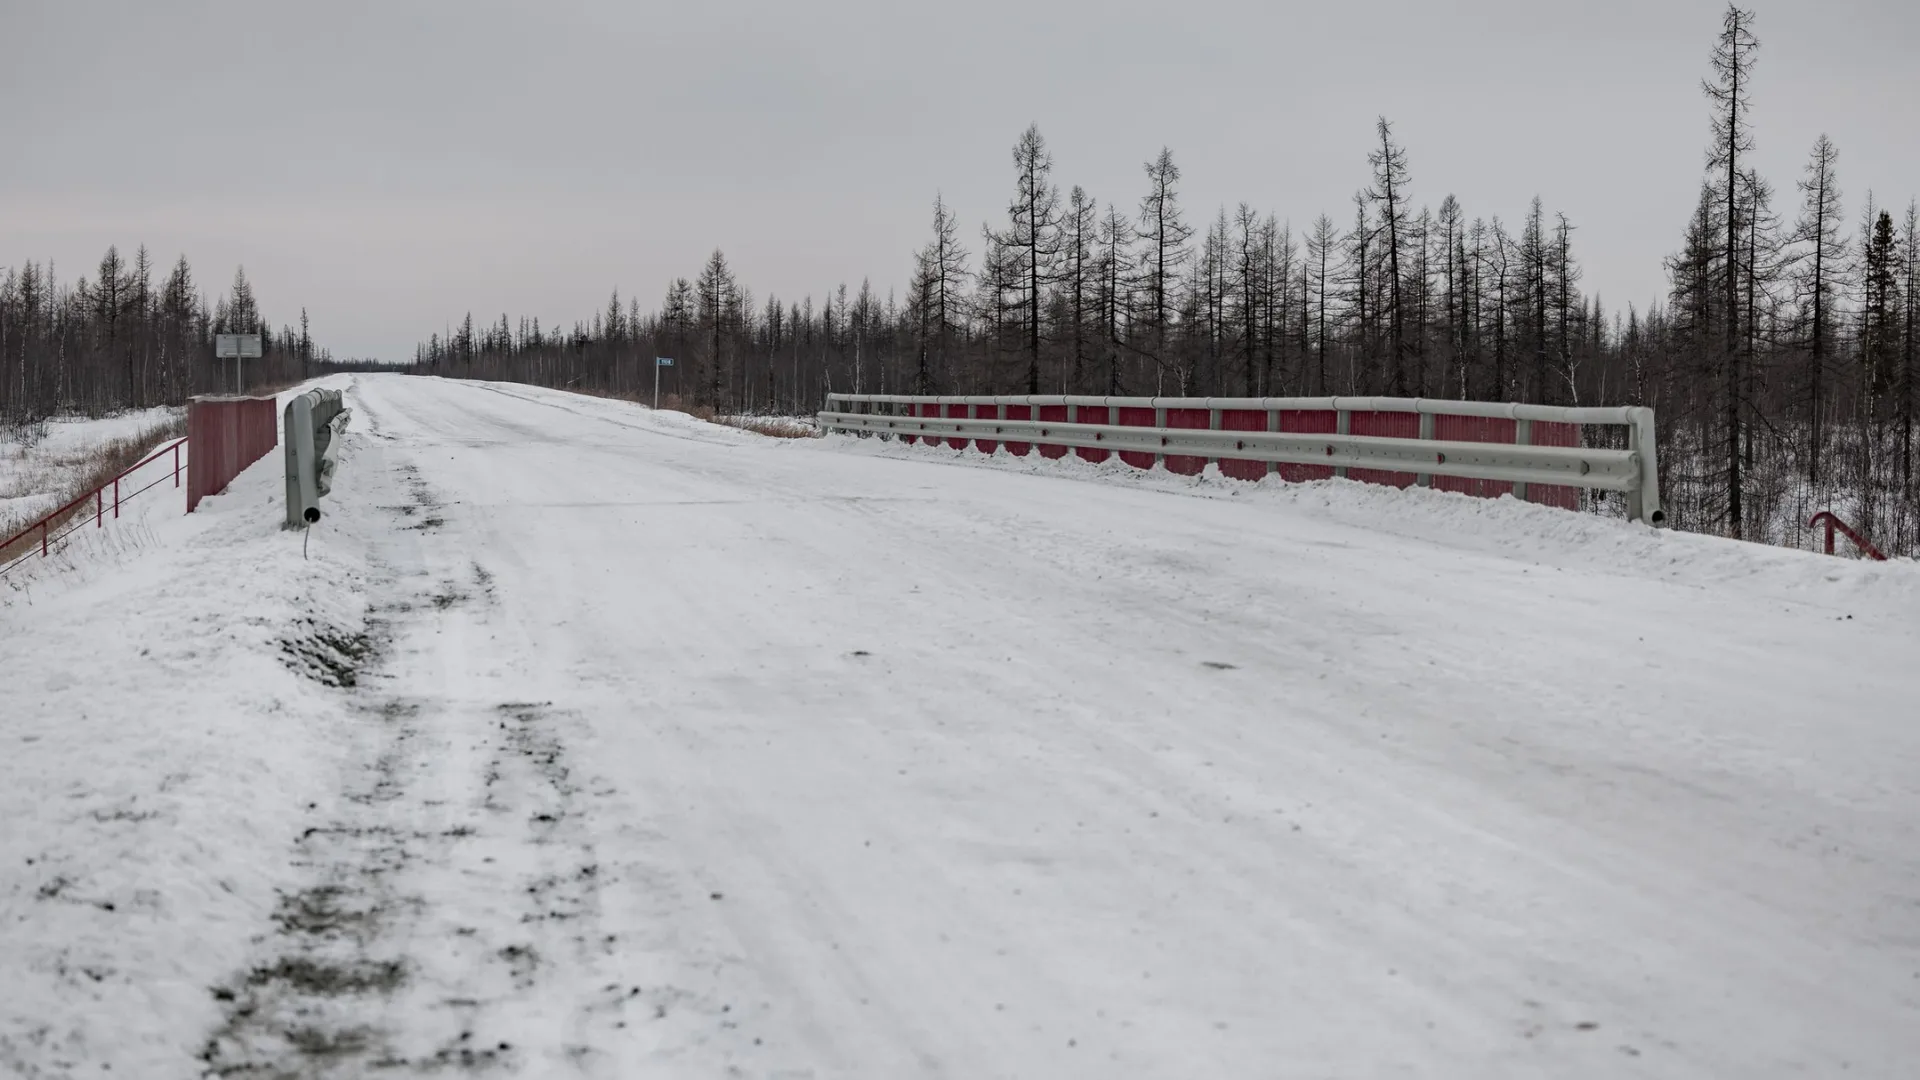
[(593, 741)]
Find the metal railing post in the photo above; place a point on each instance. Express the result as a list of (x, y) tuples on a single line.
[(1636, 505), (1342, 425), (1522, 436), (1273, 426), (1426, 435), (99, 510), (1643, 437), (1213, 424), (1160, 421), (116, 498)]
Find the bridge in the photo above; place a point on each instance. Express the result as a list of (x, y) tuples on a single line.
[(584, 738)]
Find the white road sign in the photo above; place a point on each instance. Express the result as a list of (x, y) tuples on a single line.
[(237, 346)]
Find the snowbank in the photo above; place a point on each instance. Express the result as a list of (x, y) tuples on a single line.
[(1505, 526), (162, 738)]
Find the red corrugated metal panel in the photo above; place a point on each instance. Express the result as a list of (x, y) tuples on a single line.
[(1092, 414), (986, 412), (1551, 434), (1393, 425), (1132, 417), (1308, 422), (1056, 414), (225, 435), (1243, 420), (1481, 429), (924, 410), (1019, 412), (1201, 419), (958, 412)]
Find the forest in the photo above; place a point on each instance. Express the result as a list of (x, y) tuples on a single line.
[(1781, 364), (132, 335)]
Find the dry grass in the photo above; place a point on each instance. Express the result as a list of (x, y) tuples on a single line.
[(70, 476), (774, 427)]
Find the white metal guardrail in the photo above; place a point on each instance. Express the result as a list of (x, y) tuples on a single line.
[(1632, 470), (314, 422)]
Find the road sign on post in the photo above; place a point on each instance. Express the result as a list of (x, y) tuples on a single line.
[(238, 346), (658, 363)]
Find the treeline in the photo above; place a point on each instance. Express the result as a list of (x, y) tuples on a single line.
[(130, 336), (1782, 362), (1073, 297)]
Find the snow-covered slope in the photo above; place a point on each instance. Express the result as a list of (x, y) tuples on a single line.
[(589, 740), (41, 467)]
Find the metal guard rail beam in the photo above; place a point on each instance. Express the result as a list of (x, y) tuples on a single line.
[(1625, 415), (1608, 470), (1633, 471), (45, 525)]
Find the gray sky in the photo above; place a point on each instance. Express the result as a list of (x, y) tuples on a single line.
[(392, 164)]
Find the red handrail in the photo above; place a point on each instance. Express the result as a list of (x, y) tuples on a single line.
[(1832, 523), (45, 525)]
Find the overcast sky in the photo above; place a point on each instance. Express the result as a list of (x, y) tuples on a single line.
[(392, 164)]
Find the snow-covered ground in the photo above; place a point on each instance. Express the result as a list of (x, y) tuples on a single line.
[(587, 740), (40, 466)]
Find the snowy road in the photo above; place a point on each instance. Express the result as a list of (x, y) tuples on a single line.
[(674, 751)]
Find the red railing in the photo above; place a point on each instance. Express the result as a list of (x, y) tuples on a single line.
[(1825, 517), (46, 525)]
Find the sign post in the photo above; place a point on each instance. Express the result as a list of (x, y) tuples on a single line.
[(658, 363), (238, 346)]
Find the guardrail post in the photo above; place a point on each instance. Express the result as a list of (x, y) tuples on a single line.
[(1160, 421), (1426, 435), (1273, 425), (302, 495), (1643, 503), (43, 540), (1342, 425), (1213, 424), (176, 464), (1522, 436), (99, 510), (1636, 505), (116, 498)]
